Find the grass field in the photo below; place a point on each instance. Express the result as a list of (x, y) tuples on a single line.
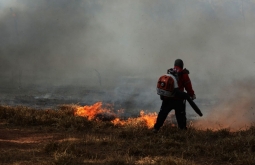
[(34, 136)]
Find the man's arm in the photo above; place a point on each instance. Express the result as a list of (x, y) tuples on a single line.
[(188, 86)]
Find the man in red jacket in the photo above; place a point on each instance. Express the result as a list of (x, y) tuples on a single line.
[(176, 103)]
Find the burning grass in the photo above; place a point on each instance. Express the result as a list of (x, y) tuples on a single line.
[(32, 136), (97, 111)]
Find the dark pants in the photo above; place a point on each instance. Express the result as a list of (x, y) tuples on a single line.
[(180, 112)]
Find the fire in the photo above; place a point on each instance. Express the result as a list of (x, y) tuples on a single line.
[(91, 112), (149, 118)]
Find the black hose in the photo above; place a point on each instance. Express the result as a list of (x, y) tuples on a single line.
[(184, 95)]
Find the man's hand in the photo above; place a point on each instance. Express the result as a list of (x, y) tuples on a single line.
[(193, 97)]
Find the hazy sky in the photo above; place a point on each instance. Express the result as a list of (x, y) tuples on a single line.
[(131, 37), (79, 41)]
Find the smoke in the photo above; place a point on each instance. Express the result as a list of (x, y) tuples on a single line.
[(235, 111), (122, 47)]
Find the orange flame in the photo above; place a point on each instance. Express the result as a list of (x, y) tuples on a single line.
[(149, 118), (92, 111)]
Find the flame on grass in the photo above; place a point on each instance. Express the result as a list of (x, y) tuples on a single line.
[(91, 112), (148, 119)]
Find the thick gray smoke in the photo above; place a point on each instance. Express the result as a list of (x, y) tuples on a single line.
[(236, 108), (123, 46)]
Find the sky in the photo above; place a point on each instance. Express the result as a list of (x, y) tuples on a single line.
[(127, 44)]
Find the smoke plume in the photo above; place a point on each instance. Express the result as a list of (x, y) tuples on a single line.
[(235, 111), (120, 48)]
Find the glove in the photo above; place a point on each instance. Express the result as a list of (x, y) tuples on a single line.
[(193, 97)]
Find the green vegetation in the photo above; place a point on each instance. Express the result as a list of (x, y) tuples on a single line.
[(57, 137)]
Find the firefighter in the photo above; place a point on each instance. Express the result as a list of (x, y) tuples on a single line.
[(178, 102)]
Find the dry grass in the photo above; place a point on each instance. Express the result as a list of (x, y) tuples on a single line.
[(57, 137)]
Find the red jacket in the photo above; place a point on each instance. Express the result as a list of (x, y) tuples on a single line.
[(184, 80)]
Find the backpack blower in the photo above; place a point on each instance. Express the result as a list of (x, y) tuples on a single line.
[(167, 88)]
